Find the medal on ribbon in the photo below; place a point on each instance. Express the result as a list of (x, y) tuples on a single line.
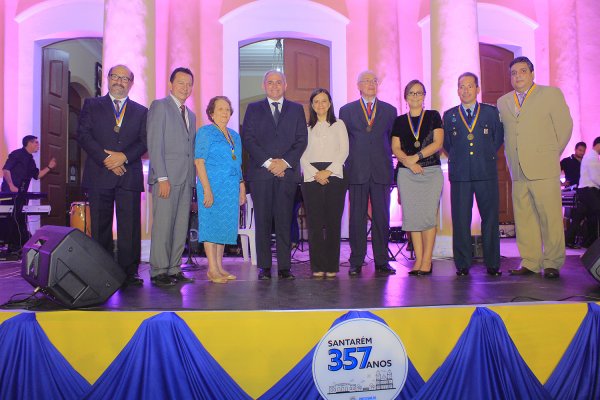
[(470, 126), (369, 119), (519, 104), (416, 132), (119, 116), (229, 140)]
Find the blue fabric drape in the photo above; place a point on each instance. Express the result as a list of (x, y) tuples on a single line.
[(165, 360), (484, 364), (299, 384), (577, 375), (31, 367)]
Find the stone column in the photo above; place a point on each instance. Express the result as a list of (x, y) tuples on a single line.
[(564, 59), (183, 44), (588, 20), (454, 50), (384, 49), (129, 39)]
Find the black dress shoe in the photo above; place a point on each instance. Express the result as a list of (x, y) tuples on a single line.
[(494, 271), (462, 272), (354, 271), (413, 272), (520, 271), (551, 273), (385, 269), (133, 280), (264, 274), (180, 277), (285, 274), (573, 246), (162, 280)]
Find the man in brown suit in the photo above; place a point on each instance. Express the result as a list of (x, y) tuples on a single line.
[(537, 128)]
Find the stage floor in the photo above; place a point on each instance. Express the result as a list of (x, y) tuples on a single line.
[(369, 290)]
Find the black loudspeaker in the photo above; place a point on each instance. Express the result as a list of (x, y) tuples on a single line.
[(70, 267), (591, 259)]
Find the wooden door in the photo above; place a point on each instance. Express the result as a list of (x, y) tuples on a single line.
[(495, 82), (307, 67), (54, 132)]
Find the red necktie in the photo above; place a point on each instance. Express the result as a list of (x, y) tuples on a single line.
[(369, 108)]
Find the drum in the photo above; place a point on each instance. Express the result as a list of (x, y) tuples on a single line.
[(80, 217)]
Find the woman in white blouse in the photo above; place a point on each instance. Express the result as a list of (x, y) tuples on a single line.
[(324, 186)]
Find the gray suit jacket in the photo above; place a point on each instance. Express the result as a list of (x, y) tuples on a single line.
[(170, 144)]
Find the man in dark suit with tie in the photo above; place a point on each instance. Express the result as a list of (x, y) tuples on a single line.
[(370, 172), (275, 135), (473, 134), (112, 131), (171, 136)]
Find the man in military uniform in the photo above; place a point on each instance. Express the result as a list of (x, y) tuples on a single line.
[(473, 134)]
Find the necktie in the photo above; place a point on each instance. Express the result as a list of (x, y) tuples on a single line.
[(369, 108), (117, 105), (469, 116), (521, 97), (276, 113), (183, 116)]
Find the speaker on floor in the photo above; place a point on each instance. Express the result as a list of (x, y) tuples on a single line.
[(70, 267), (591, 259)]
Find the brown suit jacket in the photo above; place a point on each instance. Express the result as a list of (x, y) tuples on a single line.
[(536, 137)]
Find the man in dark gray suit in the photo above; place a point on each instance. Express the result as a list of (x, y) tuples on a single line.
[(370, 173), (274, 134), (171, 133), (112, 131)]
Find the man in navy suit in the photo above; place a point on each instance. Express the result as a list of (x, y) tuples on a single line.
[(171, 135), (473, 134), (370, 172), (112, 131), (274, 135)]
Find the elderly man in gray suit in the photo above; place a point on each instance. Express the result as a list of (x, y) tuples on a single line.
[(171, 130)]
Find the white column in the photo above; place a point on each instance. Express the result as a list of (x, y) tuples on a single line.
[(129, 40), (454, 48), (183, 44), (384, 49), (588, 47), (564, 59)]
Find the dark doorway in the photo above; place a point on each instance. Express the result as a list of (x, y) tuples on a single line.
[(495, 82)]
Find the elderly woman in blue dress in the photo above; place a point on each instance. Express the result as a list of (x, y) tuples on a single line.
[(221, 189), (417, 138)]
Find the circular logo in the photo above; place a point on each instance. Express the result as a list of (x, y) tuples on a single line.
[(360, 359)]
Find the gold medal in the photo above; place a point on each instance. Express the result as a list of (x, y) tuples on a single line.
[(369, 128), (417, 144), (470, 136), (233, 156), (117, 128)]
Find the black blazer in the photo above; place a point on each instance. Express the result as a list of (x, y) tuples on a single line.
[(263, 140), (488, 136), (96, 133), (370, 154)]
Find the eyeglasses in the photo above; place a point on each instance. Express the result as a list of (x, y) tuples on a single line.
[(115, 77), (370, 81), (416, 94)]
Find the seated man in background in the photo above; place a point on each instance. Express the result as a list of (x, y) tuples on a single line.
[(571, 165)]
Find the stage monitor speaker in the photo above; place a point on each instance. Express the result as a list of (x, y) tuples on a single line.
[(69, 267), (591, 259)]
